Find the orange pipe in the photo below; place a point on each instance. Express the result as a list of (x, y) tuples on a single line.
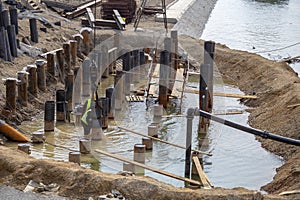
[(12, 133)]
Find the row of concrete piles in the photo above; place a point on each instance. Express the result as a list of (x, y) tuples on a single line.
[(102, 63), (59, 65)]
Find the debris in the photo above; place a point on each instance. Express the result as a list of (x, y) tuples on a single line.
[(82, 9), (126, 9), (30, 5), (33, 186), (43, 29), (30, 50), (57, 23), (126, 173), (114, 195), (31, 15), (64, 6), (100, 23)]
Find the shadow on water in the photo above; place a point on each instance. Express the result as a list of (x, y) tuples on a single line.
[(272, 1)]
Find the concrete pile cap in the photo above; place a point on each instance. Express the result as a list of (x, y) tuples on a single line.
[(11, 79), (40, 62), (31, 66), (78, 35), (86, 29), (22, 72)]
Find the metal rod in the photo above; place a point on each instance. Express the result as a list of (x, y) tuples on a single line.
[(149, 168), (163, 141)]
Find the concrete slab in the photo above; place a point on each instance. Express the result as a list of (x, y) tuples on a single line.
[(175, 11)]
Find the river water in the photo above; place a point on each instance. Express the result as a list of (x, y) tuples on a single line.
[(265, 27), (238, 159)]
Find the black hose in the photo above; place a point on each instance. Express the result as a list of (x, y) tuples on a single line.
[(263, 134)]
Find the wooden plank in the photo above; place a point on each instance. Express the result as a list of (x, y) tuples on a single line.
[(149, 168), (194, 73), (289, 192), (209, 182), (242, 96), (53, 51), (170, 116), (91, 17), (178, 84), (221, 94), (293, 105), (100, 23), (201, 173), (153, 88), (162, 141), (121, 23), (82, 9), (290, 59), (229, 113)]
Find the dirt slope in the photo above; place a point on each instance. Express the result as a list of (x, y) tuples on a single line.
[(17, 169)]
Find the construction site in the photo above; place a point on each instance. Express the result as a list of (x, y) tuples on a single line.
[(149, 99)]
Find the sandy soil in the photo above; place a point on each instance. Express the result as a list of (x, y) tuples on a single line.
[(17, 169), (275, 83)]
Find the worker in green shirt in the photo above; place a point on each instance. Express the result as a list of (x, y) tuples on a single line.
[(92, 108)]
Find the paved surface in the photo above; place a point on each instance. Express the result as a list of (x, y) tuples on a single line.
[(175, 11), (10, 193)]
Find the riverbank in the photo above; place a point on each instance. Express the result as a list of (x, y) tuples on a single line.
[(76, 182)]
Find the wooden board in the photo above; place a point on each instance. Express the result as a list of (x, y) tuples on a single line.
[(149, 168), (121, 23), (178, 84), (221, 94), (53, 51), (91, 17), (154, 82), (134, 98), (201, 173), (293, 105), (82, 9), (162, 141)]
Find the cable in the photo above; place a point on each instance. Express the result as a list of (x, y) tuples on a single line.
[(278, 48)]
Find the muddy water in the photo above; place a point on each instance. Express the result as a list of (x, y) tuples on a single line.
[(238, 159)]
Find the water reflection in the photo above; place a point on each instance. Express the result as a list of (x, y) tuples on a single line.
[(273, 1)]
